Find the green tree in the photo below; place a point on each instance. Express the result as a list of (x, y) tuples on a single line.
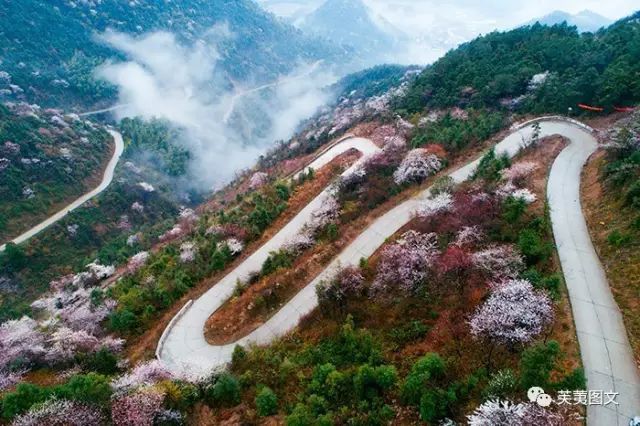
[(537, 363), (266, 402)]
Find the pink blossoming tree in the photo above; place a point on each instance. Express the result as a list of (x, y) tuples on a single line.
[(406, 263)]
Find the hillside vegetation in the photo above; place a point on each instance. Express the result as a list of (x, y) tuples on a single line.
[(50, 50), (45, 160), (571, 68)]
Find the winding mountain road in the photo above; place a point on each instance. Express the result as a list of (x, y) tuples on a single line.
[(607, 357), (106, 181)]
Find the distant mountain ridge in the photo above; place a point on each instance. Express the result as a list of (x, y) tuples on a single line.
[(352, 23), (49, 48), (585, 21)]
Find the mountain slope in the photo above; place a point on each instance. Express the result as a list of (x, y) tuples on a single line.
[(45, 160), (586, 21), (50, 49), (569, 68), (351, 23)]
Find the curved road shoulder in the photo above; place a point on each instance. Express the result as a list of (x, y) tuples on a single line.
[(106, 181)]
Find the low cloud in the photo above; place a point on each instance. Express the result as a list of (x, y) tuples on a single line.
[(162, 78)]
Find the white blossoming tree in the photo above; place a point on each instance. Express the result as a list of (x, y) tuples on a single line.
[(515, 313), (416, 166)]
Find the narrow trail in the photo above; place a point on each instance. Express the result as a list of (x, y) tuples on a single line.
[(606, 353), (106, 181)]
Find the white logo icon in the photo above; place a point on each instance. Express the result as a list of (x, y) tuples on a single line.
[(534, 392), (544, 400)]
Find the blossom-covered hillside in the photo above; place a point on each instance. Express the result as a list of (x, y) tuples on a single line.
[(46, 159)]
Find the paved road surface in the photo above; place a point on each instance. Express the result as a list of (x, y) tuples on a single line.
[(106, 180), (607, 357)]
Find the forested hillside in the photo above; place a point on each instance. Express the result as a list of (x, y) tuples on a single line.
[(45, 159), (50, 50), (569, 68)]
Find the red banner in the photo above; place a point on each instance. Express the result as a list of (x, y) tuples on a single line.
[(590, 108), (624, 109)]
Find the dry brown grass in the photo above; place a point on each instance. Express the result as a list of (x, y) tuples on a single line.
[(605, 213)]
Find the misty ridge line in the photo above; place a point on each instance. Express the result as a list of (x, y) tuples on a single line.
[(184, 85)]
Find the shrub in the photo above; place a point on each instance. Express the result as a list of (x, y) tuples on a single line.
[(537, 363), (371, 382), (501, 384), (239, 355), (491, 165), (632, 196), (576, 380), (409, 332), (533, 247), (513, 209), (277, 260), (104, 362), (434, 404), (14, 257), (266, 402), (90, 388), (123, 321), (619, 239), (225, 391), (428, 368), (443, 184), (22, 399), (550, 283)]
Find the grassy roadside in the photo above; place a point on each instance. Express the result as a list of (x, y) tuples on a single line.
[(617, 243)]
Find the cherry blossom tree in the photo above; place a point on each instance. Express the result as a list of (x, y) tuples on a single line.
[(519, 172), (20, 340), (454, 260), (65, 343), (145, 374), (146, 187), (347, 282), (258, 180), (188, 251), (469, 235), (9, 378), (511, 190), (499, 261), (417, 165), (442, 202), (514, 313), (299, 242), (137, 207), (138, 408), (406, 262), (61, 412), (235, 246), (174, 233), (137, 261), (507, 413), (327, 213)]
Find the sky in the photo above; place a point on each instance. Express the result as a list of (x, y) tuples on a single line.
[(491, 14), (500, 13), (436, 26)]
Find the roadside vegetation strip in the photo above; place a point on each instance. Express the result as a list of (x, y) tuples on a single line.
[(106, 181)]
